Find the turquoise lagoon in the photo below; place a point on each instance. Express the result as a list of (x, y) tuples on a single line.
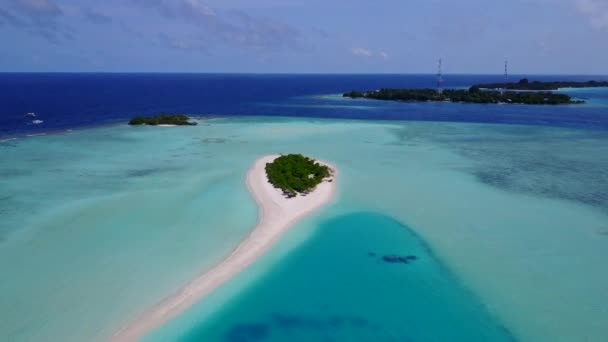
[(508, 223), (336, 286)]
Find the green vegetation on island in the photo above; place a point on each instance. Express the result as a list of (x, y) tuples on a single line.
[(472, 95), (525, 84), (295, 173), (163, 119)]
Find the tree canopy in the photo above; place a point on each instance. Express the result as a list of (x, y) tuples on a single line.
[(163, 119), (472, 95), (525, 84), (295, 173)]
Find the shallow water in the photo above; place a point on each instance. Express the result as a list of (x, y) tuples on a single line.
[(95, 222), (100, 224), (336, 286)]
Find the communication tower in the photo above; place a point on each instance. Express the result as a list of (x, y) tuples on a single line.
[(504, 88), (439, 78)]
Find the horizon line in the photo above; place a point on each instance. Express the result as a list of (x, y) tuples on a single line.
[(294, 73)]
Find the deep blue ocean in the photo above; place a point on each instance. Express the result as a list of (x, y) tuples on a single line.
[(66, 101)]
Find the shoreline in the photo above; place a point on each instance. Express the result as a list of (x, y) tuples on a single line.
[(276, 214)]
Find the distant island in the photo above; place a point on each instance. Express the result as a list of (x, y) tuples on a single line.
[(525, 84), (473, 95), (163, 119), (295, 173)]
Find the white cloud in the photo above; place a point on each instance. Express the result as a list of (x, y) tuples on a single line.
[(362, 52), (233, 27), (38, 17), (196, 7), (35, 8), (367, 53), (596, 11)]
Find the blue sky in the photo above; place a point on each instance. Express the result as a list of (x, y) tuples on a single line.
[(341, 36)]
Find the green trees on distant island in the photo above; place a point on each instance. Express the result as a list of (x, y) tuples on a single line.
[(522, 92), (525, 84), (295, 173), (163, 119), (473, 95)]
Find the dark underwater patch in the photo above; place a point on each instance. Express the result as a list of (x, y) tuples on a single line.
[(248, 332), (14, 172), (398, 259), (214, 140), (147, 172), (291, 322)]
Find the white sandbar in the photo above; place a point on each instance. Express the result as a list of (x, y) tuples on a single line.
[(276, 214)]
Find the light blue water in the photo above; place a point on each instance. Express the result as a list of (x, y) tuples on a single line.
[(98, 225), (593, 97), (94, 222), (337, 287)]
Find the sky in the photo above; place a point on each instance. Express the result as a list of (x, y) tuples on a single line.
[(305, 36)]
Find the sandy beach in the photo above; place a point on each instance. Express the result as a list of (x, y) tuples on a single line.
[(276, 214)]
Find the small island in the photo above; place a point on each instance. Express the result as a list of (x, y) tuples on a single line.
[(162, 120), (525, 84), (296, 174), (473, 95)]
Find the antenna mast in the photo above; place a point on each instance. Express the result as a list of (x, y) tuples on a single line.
[(504, 88), (439, 78)]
